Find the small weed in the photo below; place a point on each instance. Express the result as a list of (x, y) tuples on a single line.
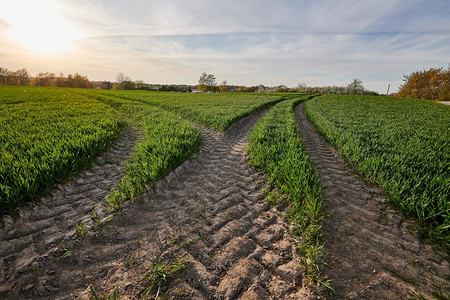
[(131, 261), (82, 229), (327, 283), (398, 274), (174, 240), (191, 243), (160, 274), (65, 255), (418, 295), (113, 229), (439, 293), (95, 217), (384, 217), (98, 223), (95, 296), (203, 208), (273, 197), (413, 263), (37, 269), (64, 250)]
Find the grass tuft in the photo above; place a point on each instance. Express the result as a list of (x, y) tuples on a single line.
[(160, 274)]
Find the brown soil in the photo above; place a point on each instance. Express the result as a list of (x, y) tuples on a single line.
[(210, 213), (373, 253)]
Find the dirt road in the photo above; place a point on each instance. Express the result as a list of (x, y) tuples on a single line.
[(372, 252)]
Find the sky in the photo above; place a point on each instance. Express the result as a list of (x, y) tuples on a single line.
[(252, 42)]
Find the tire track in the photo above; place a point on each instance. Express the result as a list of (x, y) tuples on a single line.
[(35, 233), (211, 212), (372, 252)]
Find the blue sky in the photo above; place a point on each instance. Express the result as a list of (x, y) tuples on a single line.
[(249, 42)]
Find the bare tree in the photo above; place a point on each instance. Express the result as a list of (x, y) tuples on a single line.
[(121, 77)]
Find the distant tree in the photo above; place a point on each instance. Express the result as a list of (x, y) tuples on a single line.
[(106, 85), (140, 84), (356, 87), (121, 77), (76, 81), (223, 87), (207, 82), (80, 81), (12, 78), (282, 89), (247, 88), (23, 76), (45, 79), (202, 82), (3, 74), (432, 84), (124, 82), (61, 81), (128, 85), (301, 87), (211, 82)]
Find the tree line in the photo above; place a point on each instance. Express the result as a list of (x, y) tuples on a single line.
[(23, 77), (431, 84), (207, 83)]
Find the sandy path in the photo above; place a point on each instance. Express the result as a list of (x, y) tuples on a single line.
[(210, 211), (372, 254)]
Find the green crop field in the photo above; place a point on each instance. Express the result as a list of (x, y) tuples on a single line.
[(45, 135), (217, 111), (402, 144), (275, 146), (48, 133)]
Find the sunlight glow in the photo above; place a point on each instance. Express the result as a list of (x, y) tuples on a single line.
[(39, 25)]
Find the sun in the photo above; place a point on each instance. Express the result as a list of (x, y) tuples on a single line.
[(39, 25)]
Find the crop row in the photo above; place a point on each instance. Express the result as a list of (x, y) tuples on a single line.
[(168, 141), (217, 111), (45, 135), (275, 146), (402, 144)]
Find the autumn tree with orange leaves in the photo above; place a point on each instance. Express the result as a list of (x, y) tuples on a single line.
[(432, 84)]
